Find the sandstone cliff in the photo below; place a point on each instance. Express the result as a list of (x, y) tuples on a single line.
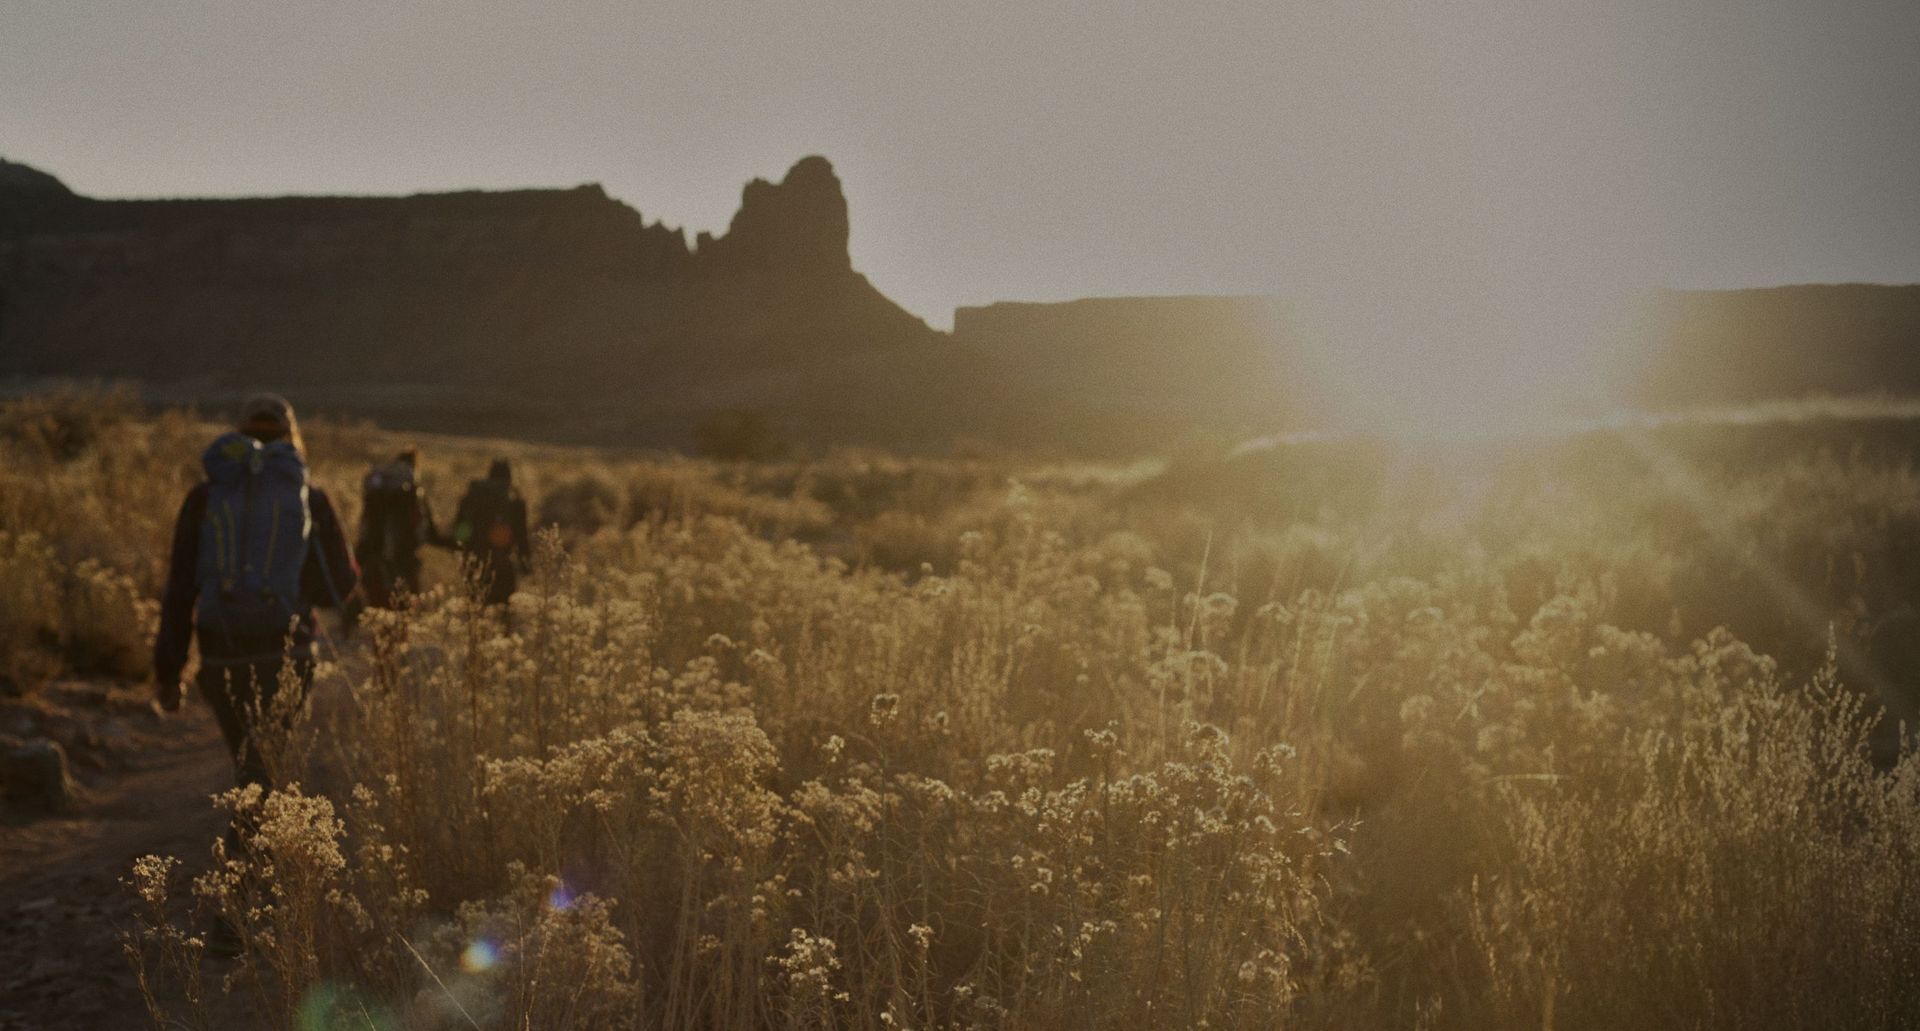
[(560, 303), (565, 314), (1719, 347), (1225, 362)]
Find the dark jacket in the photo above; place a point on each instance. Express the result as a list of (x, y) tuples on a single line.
[(395, 525), (491, 523), (328, 577), (490, 529)]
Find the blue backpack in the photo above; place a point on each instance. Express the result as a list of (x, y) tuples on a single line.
[(253, 546)]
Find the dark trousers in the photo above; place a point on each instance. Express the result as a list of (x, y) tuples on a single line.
[(382, 582), (242, 696), (494, 572), (383, 579)]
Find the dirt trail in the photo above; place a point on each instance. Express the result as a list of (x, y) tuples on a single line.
[(62, 907)]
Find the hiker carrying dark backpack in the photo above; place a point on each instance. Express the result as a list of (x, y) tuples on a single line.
[(395, 521), (255, 547), (490, 530)]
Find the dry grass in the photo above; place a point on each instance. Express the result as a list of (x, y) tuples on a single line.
[(885, 743)]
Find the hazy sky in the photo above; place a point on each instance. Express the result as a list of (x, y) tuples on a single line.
[(1372, 155)]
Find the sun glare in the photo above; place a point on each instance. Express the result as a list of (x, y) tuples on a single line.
[(1446, 366)]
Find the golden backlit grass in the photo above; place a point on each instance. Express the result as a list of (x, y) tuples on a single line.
[(1329, 737)]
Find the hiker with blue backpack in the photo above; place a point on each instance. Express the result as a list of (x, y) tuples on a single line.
[(255, 548)]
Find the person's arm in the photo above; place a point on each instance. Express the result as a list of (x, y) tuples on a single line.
[(430, 531), (363, 542), (462, 530), (330, 575), (175, 636), (522, 541)]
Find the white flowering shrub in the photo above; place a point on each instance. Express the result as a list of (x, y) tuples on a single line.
[(946, 743)]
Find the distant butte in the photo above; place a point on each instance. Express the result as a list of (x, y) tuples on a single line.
[(439, 303), (563, 314)]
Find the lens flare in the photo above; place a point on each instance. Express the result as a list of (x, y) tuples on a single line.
[(479, 957), (329, 1005)]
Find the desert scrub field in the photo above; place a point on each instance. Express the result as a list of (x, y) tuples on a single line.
[(1578, 733)]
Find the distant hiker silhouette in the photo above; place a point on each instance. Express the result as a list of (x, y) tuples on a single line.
[(255, 547), (395, 522), (490, 529)]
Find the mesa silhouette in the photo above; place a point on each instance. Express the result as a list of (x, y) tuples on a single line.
[(564, 314), (1718, 347), (561, 312)]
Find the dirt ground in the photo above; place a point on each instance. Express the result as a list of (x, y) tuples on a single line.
[(61, 903)]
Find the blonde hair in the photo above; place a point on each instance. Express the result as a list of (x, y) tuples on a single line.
[(270, 417)]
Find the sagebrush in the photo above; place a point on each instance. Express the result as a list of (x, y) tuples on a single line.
[(1596, 733)]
